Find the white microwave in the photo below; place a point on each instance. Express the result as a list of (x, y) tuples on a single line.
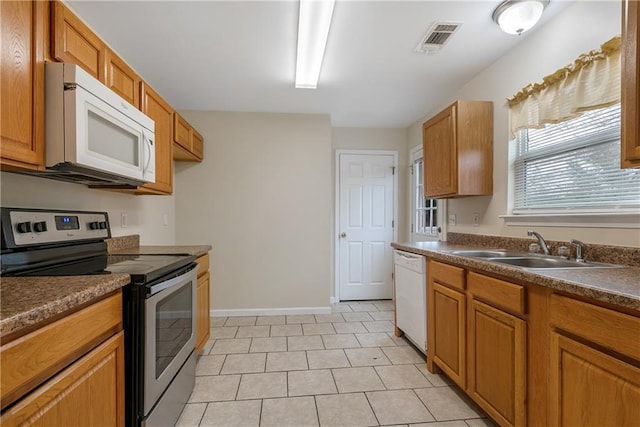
[(92, 135)]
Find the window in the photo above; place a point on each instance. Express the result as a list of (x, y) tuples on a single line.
[(425, 220), (574, 165)]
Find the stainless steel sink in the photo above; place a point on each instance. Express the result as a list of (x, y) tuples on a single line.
[(527, 260), (544, 262), (488, 253)]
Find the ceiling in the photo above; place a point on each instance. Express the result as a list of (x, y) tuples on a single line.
[(240, 55)]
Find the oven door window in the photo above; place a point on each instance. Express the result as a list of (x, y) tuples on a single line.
[(174, 320)]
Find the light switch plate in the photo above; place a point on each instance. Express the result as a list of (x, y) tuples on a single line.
[(476, 219)]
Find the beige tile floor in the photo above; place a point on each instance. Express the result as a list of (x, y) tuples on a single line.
[(340, 369)]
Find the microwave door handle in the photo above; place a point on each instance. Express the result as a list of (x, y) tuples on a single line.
[(147, 145)]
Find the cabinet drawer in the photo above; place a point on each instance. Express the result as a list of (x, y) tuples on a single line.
[(90, 392), (447, 274), (504, 294), (30, 360), (203, 262), (613, 330)]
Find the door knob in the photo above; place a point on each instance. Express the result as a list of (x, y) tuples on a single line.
[(343, 234)]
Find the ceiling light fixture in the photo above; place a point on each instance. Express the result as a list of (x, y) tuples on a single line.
[(518, 16), (313, 29)]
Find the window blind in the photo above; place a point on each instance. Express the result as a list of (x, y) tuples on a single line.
[(574, 165)]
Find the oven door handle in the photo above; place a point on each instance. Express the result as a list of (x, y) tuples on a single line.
[(171, 282)]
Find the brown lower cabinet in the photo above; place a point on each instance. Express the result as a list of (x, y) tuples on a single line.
[(449, 318), (203, 304), (69, 372), (497, 347), (528, 355), (594, 375)]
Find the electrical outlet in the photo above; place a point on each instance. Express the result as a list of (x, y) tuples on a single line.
[(476, 219), (123, 220), (165, 219), (452, 219)]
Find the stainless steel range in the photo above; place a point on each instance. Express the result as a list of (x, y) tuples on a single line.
[(159, 303)]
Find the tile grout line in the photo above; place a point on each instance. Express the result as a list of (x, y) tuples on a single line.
[(380, 378), (206, 406), (425, 405), (315, 403), (371, 406)]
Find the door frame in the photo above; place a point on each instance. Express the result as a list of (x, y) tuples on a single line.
[(336, 203)]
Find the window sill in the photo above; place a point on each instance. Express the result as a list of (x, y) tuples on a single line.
[(591, 220)]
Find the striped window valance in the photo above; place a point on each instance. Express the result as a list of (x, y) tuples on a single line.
[(592, 81)]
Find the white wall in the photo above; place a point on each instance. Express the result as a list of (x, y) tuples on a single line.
[(262, 198), (144, 213), (580, 28)]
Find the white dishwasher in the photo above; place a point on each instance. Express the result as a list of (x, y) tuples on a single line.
[(411, 296)]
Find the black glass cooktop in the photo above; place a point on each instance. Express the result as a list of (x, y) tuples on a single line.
[(147, 268)]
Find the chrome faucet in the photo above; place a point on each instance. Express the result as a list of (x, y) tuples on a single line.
[(541, 241), (580, 248)]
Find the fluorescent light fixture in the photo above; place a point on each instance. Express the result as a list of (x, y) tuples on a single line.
[(313, 29), (518, 16)]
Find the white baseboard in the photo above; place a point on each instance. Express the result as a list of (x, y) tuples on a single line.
[(269, 311), (334, 300)]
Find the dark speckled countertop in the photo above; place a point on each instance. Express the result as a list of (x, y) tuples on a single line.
[(130, 245), (197, 250), (26, 302), (619, 286)]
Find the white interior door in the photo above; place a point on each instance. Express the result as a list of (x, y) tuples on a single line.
[(366, 221)]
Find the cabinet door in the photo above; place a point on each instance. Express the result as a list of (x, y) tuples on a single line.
[(22, 85), (198, 145), (162, 114), (497, 363), (121, 78), (72, 41), (630, 154), (449, 330), (90, 392), (202, 312), (440, 159), (591, 388), (182, 132)]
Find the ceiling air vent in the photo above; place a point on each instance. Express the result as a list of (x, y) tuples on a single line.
[(437, 36)]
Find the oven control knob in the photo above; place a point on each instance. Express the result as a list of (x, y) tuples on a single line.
[(24, 227), (95, 225), (40, 226), (103, 225)]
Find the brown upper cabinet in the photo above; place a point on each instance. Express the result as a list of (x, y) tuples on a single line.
[(189, 144), (22, 85), (41, 31), (458, 151), (161, 113), (121, 78), (73, 41), (630, 147)]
